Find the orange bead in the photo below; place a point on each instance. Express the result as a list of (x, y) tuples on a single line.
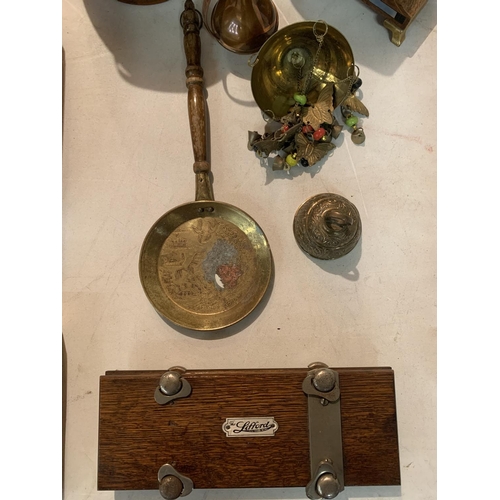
[(318, 134)]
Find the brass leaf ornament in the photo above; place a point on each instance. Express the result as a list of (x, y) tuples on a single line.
[(276, 141), (311, 151), (354, 104), (321, 111)]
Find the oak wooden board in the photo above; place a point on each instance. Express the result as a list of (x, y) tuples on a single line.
[(137, 435)]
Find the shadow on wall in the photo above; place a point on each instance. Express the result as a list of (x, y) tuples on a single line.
[(147, 44), (147, 41)]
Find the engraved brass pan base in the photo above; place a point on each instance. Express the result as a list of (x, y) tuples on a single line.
[(203, 265)]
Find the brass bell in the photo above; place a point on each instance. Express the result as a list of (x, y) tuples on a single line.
[(252, 137), (278, 163), (358, 135)]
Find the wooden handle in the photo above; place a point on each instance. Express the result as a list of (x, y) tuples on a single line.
[(191, 22)]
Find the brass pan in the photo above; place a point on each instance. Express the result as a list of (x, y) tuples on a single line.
[(204, 265)]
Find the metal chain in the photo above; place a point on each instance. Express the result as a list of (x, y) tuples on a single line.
[(298, 61), (299, 78), (315, 60), (319, 38), (351, 79)]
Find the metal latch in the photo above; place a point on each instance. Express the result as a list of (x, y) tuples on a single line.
[(172, 386), (321, 386), (172, 483)]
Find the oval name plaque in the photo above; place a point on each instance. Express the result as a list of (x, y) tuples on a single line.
[(250, 427)]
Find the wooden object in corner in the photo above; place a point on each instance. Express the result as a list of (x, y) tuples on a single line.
[(397, 14), (137, 435)]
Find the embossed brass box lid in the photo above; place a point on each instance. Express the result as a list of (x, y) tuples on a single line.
[(327, 226), (148, 420)]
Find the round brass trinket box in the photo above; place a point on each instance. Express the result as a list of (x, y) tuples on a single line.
[(327, 226)]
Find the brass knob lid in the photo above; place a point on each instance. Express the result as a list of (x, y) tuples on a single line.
[(327, 226), (170, 383), (327, 486), (324, 380), (171, 487)]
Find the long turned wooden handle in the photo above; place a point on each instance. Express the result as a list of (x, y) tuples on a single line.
[(191, 22)]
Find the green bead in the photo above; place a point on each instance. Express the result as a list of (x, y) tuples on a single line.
[(351, 121), (300, 98), (291, 160)]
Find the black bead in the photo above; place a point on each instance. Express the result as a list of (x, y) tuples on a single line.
[(356, 85), (304, 162)]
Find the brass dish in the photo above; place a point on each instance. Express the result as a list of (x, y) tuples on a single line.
[(203, 265), (274, 76)]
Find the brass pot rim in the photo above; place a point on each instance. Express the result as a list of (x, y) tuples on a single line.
[(273, 81)]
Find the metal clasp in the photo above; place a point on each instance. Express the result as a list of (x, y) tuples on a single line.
[(321, 386), (173, 484), (172, 386)]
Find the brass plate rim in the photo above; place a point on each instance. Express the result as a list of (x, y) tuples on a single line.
[(181, 317)]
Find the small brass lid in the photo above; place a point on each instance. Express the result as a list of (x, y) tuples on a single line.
[(327, 226)]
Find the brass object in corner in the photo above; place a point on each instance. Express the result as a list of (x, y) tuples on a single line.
[(327, 226)]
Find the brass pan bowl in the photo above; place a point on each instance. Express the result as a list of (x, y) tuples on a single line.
[(274, 78), (179, 262)]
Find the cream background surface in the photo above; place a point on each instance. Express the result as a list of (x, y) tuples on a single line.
[(127, 159)]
